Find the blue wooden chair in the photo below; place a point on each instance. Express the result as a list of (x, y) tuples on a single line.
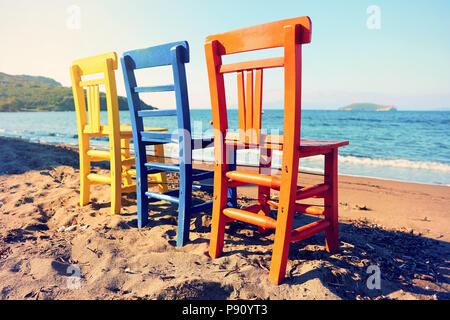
[(176, 55)]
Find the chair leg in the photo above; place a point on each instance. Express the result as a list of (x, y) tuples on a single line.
[(185, 204), (161, 177), (85, 169), (285, 217), (142, 200), (281, 244), (116, 177), (331, 202), (218, 218)]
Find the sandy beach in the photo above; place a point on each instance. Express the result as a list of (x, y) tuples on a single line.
[(46, 239)]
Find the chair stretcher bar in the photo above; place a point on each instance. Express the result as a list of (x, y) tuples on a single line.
[(309, 230), (250, 217), (303, 208), (97, 178)]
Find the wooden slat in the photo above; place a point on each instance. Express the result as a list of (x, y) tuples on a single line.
[(97, 178), (309, 230), (155, 56), (93, 82), (309, 192), (162, 166), (250, 217), (268, 35), (100, 154), (331, 201), (149, 135), (93, 101), (308, 209), (95, 64), (241, 102), (89, 106), (159, 137), (170, 87), (303, 208), (257, 108), (290, 161), (156, 113), (162, 196), (220, 124), (251, 65), (249, 103), (254, 178)]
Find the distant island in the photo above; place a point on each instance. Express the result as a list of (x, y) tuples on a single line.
[(368, 107), (37, 93)]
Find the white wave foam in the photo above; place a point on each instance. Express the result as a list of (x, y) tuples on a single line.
[(396, 163)]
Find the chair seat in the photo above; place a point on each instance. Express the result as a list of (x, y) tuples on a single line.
[(308, 147)]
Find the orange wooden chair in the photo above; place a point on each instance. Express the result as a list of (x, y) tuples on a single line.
[(290, 34)]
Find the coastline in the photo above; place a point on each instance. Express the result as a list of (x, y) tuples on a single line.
[(402, 227)]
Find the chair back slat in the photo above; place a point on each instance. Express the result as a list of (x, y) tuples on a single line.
[(170, 87), (156, 56), (93, 98), (250, 65), (249, 101), (250, 105), (257, 107), (157, 113), (260, 37), (95, 64), (241, 103), (93, 82), (87, 92), (161, 137)]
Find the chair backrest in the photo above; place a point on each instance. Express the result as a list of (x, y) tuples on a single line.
[(174, 54), (102, 65), (290, 34)]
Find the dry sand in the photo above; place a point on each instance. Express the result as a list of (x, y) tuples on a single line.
[(46, 238)]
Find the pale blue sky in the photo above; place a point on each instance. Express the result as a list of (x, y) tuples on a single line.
[(405, 63)]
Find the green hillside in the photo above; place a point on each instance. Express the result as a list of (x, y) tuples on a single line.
[(36, 93), (365, 106)]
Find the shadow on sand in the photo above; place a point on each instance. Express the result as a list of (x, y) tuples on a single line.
[(403, 261), (19, 156)]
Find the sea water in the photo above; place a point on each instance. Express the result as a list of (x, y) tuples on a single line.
[(409, 146)]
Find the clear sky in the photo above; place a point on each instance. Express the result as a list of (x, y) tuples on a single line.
[(397, 55)]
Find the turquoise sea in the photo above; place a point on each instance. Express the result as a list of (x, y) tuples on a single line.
[(404, 145)]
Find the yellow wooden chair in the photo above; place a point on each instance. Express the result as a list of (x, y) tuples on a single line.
[(86, 93)]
